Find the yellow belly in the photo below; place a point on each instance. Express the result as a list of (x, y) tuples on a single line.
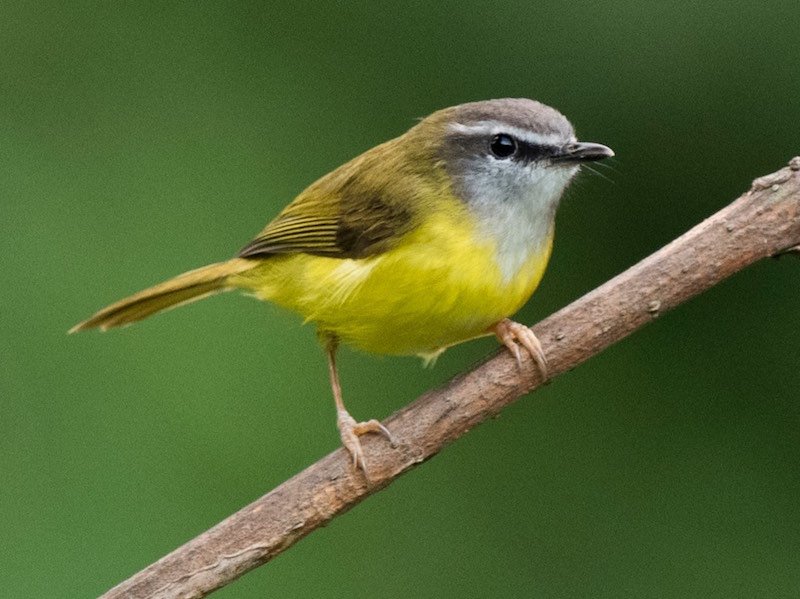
[(440, 286)]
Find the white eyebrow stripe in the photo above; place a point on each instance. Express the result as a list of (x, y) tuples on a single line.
[(489, 128)]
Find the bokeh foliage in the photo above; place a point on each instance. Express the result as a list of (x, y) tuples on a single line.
[(138, 140)]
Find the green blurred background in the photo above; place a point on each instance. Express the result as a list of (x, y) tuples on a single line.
[(139, 140)]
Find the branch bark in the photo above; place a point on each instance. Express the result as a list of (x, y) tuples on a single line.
[(763, 222)]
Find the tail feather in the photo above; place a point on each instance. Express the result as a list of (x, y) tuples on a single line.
[(185, 288)]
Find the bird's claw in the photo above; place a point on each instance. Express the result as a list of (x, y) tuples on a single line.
[(513, 334), (350, 431)]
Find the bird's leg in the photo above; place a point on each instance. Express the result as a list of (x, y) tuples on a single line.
[(349, 429), (513, 334)]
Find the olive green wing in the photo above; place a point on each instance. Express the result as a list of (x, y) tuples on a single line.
[(340, 216)]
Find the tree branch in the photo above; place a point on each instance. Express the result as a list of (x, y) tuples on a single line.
[(763, 222)]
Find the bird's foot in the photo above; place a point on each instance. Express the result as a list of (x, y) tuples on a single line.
[(513, 334), (350, 431)]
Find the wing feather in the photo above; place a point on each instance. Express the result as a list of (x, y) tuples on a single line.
[(346, 214)]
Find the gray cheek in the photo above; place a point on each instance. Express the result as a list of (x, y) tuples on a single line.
[(485, 180)]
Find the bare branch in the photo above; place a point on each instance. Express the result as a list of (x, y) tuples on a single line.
[(763, 222)]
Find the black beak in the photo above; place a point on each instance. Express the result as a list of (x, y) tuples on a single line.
[(583, 151)]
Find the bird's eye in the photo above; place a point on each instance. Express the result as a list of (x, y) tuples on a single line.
[(503, 145)]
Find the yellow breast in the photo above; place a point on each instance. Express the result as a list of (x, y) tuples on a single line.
[(443, 283)]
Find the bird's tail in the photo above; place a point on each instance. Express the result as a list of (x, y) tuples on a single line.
[(188, 287)]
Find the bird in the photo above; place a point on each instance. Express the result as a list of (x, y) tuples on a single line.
[(425, 241)]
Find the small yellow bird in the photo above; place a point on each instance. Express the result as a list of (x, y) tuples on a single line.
[(427, 240)]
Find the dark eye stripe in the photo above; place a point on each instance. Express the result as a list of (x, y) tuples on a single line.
[(530, 152), (511, 147), (504, 146)]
